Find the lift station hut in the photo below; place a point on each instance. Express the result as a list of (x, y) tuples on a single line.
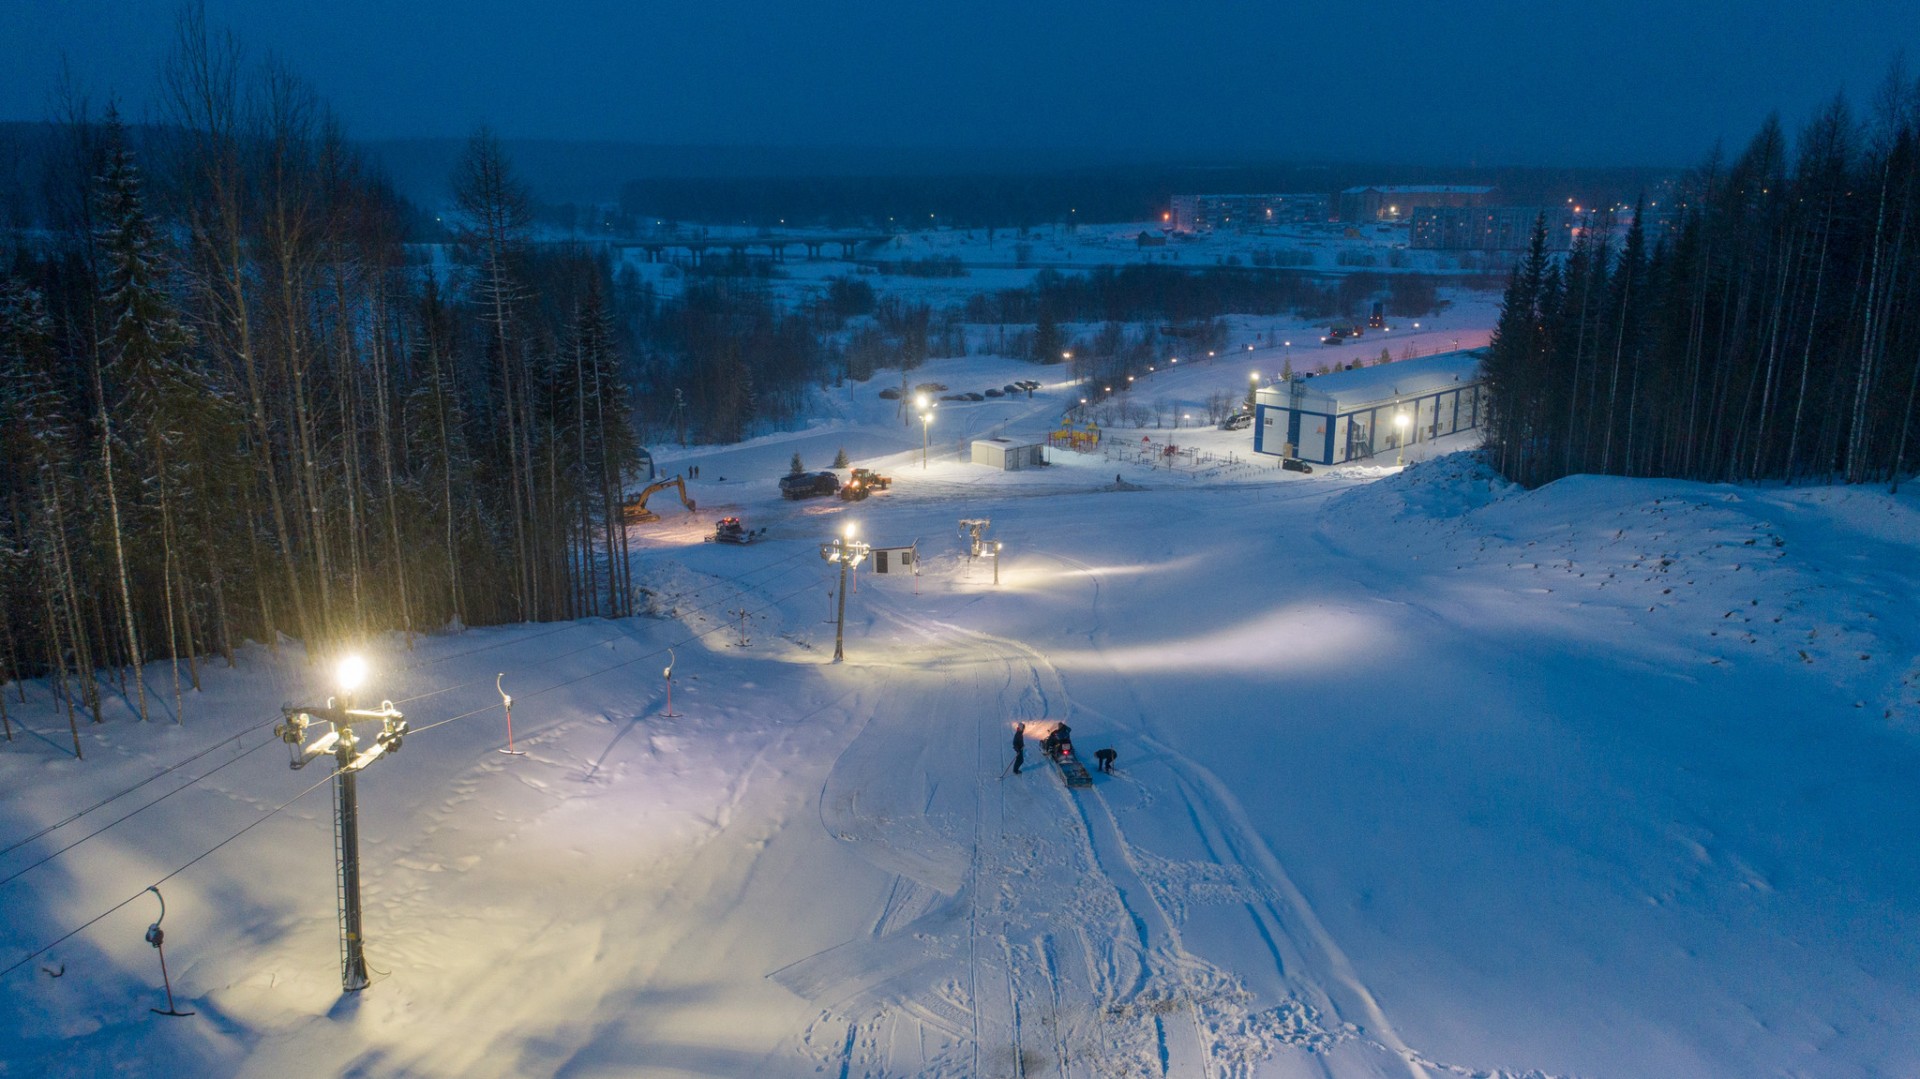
[(1349, 415)]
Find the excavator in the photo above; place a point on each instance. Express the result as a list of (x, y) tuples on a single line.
[(634, 510)]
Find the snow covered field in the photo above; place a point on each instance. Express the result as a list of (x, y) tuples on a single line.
[(1419, 775)]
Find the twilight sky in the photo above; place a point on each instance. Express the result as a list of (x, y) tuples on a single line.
[(1482, 81)]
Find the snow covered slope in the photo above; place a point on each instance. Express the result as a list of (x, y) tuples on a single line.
[(1419, 775)]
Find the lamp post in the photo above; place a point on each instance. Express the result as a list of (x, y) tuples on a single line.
[(926, 425), (848, 552), (1403, 422), (344, 747)]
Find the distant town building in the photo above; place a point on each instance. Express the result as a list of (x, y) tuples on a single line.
[(1489, 228), (1396, 202), (1206, 213)]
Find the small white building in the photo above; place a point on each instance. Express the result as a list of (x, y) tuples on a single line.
[(1349, 415), (1007, 455)]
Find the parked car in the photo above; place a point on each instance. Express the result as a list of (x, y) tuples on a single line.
[(1239, 421), (996, 393)]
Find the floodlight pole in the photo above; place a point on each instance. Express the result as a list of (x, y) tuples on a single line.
[(349, 758), (346, 831), (840, 620)]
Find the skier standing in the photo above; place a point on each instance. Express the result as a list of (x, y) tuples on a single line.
[(1019, 747)]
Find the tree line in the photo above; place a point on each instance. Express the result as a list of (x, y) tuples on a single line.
[(1766, 328), (235, 405)]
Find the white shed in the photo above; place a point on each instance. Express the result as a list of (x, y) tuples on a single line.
[(1007, 455)]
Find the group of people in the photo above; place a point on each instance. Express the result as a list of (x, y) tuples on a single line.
[(1057, 744)]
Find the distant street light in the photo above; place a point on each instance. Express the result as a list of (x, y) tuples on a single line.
[(1403, 422), (926, 424)]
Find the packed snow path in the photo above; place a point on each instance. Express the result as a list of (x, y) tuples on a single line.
[(1422, 777)]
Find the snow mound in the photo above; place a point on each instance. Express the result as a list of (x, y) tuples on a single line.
[(1444, 488)]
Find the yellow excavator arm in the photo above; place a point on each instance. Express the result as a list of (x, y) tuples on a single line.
[(634, 510)]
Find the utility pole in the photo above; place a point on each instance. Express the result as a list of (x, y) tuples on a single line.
[(848, 552), (340, 742)]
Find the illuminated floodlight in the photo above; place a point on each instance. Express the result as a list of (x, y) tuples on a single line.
[(351, 671)]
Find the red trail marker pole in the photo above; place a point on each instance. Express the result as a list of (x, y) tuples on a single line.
[(507, 703)]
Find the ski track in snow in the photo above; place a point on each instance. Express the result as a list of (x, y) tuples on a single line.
[(1068, 934)]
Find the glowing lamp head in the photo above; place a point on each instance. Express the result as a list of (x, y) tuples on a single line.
[(847, 531), (921, 400), (351, 671), (1401, 419)]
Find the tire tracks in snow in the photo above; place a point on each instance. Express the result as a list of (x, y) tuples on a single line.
[(1224, 828)]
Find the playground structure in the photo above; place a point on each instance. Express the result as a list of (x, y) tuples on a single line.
[(1085, 439)]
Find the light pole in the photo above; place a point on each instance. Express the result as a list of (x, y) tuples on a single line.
[(926, 424), (1403, 422), (848, 552), (340, 743)]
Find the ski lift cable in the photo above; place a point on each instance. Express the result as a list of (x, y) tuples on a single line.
[(263, 818), (735, 580), (70, 818), (17, 874), (82, 927)]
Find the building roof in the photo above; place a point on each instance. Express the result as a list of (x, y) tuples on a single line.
[(1345, 391), (1420, 189)]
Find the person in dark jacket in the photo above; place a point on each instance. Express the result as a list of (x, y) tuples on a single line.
[(1019, 746), (1106, 758), (1059, 742)]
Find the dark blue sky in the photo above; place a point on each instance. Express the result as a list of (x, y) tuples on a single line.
[(1492, 82)]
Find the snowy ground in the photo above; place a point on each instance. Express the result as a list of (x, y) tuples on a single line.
[(1419, 775)]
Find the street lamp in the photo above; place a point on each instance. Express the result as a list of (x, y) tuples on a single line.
[(349, 757), (1402, 421), (848, 552), (926, 423)]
